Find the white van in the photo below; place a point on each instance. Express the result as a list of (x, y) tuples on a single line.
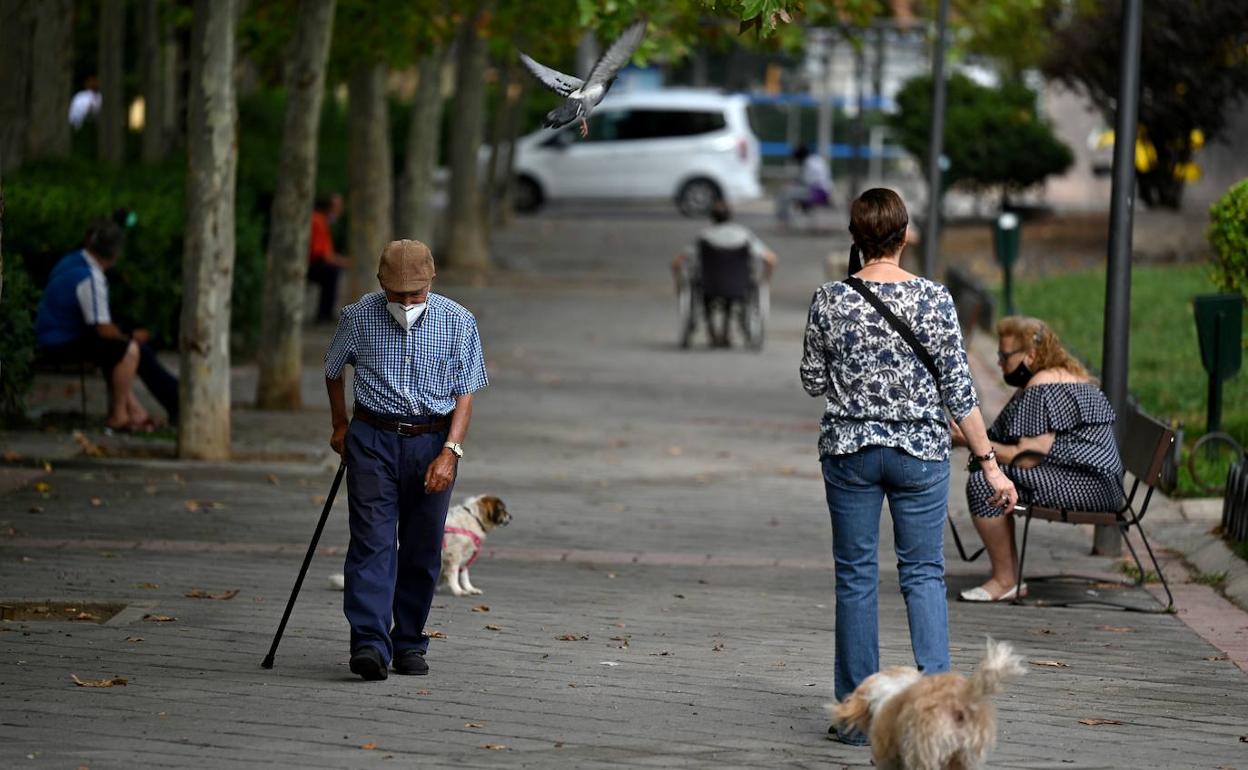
[(693, 146)]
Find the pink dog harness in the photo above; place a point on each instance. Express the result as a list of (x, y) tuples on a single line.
[(473, 536)]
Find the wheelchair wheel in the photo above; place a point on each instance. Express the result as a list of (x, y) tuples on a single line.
[(754, 316), (686, 320)]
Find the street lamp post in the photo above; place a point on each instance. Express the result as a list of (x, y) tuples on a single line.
[(1108, 540), (935, 146)]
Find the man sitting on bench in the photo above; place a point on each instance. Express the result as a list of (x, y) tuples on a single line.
[(75, 324)]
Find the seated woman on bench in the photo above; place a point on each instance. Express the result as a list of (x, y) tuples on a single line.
[(74, 323), (1055, 439)]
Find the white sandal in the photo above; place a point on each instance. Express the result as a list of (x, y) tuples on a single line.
[(980, 594)]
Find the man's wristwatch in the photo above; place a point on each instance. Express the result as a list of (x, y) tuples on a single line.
[(456, 449)]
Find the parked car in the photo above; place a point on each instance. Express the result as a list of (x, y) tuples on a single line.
[(692, 146)]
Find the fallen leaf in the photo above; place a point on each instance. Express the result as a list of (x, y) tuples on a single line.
[(195, 506), (158, 618), (370, 746), (148, 586), (572, 637), (424, 692), (492, 627), (134, 639), (196, 593), (272, 477), (1116, 629), (1095, 722), (558, 744), (35, 509), (662, 654), (43, 486), (719, 647), (679, 596), (12, 457), (675, 451), (494, 746), (481, 608), (1217, 657), (1049, 663), (86, 616), (318, 499), (89, 447), (96, 502), (435, 635), (114, 681), (474, 725)]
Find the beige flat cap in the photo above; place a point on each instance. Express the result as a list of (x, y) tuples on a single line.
[(406, 266)]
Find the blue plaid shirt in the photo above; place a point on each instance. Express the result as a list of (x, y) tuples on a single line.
[(403, 373)]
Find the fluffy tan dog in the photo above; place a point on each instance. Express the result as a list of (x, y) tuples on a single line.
[(939, 722)]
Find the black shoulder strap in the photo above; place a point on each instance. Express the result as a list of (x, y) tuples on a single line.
[(898, 325)]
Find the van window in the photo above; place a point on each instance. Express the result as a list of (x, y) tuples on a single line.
[(657, 124)]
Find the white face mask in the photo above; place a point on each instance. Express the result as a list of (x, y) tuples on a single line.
[(406, 315)]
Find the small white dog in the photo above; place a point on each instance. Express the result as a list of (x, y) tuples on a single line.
[(467, 524), (939, 722)]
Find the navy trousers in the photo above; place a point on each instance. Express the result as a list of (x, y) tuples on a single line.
[(395, 552)]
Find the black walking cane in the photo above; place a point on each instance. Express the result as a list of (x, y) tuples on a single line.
[(307, 560), (957, 540)]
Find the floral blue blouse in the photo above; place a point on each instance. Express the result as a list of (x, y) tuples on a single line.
[(878, 391)]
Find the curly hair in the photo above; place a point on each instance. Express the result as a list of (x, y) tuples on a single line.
[(1036, 336), (878, 222)]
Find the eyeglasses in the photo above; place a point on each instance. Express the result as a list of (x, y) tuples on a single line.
[(1004, 355)]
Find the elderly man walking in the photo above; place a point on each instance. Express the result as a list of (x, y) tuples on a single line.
[(417, 359)]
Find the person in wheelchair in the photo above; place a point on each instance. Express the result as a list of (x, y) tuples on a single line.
[(724, 266)]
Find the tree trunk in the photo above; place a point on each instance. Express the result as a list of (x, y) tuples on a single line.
[(156, 70), (112, 125), (424, 137), (281, 360), (370, 182), (15, 34), (466, 242), (208, 258), (503, 175), (52, 80)]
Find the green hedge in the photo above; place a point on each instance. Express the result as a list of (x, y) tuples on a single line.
[(17, 338), (50, 206), (1228, 234)]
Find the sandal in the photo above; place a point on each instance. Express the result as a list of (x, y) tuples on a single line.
[(980, 594)]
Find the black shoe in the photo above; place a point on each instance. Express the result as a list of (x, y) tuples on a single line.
[(411, 662), (367, 662), (849, 737)]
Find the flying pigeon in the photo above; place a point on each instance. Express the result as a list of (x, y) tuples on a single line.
[(582, 96)]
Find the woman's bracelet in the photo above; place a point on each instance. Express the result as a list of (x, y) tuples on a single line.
[(992, 455)]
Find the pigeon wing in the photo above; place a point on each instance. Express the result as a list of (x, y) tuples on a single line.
[(617, 55), (553, 79)]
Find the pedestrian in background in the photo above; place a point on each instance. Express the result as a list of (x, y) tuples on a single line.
[(417, 360), (325, 264), (884, 435)]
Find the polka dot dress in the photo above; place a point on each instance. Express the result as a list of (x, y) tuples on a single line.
[(1082, 471)]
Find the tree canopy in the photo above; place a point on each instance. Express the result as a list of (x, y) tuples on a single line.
[(994, 137)]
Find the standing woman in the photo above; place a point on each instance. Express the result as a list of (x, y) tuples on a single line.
[(884, 434)]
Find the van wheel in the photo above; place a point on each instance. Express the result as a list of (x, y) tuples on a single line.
[(527, 196), (697, 196)]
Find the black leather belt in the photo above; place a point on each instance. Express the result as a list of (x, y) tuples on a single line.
[(437, 424)]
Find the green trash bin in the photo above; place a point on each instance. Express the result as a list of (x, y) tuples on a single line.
[(1006, 235), (1220, 329)]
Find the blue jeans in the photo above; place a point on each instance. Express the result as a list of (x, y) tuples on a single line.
[(918, 493), (395, 553)]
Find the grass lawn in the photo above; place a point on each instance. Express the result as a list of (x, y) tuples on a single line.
[(1166, 374)]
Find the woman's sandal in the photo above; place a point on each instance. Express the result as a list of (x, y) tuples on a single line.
[(980, 594)]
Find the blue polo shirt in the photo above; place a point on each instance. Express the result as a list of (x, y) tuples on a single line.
[(76, 298)]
